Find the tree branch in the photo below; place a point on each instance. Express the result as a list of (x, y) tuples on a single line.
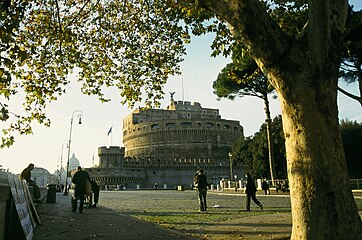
[(60, 26), (326, 22), (253, 24), (348, 94)]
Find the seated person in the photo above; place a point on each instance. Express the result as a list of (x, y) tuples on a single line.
[(26, 175), (94, 194)]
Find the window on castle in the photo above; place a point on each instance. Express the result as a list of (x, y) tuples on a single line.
[(186, 124), (188, 115), (170, 125), (226, 126), (208, 125), (155, 126)]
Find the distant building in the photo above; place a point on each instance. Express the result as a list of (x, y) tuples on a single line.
[(167, 146), (41, 177), (60, 175)]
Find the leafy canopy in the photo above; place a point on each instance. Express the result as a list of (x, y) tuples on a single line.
[(131, 45)]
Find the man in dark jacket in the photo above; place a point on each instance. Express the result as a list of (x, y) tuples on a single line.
[(79, 179), (251, 192), (26, 175), (200, 182)]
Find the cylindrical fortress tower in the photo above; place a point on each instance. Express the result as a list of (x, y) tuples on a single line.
[(182, 131)]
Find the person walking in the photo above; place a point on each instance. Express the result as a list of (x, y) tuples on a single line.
[(251, 192), (79, 179), (200, 182), (265, 186), (26, 175)]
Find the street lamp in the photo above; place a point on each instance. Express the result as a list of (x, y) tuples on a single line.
[(61, 163), (231, 166), (79, 114)]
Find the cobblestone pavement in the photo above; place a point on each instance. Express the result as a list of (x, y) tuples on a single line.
[(172, 210)]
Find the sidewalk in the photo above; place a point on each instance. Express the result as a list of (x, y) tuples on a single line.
[(59, 222)]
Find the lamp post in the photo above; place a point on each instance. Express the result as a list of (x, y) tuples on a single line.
[(61, 163), (79, 114), (231, 166)]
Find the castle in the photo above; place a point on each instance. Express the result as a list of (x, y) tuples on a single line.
[(167, 146)]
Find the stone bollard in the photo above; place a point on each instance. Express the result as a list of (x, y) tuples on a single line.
[(218, 187)]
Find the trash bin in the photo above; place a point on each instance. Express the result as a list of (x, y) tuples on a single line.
[(51, 194)]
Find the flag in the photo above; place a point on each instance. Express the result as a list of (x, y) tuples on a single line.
[(109, 131)]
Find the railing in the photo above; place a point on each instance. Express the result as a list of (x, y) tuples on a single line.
[(355, 184)]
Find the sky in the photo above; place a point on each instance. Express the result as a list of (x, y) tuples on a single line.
[(47, 146)]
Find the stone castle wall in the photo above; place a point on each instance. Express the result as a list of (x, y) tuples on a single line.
[(183, 131), (170, 176)]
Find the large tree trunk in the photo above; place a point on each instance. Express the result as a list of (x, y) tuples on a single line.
[(323, 206)]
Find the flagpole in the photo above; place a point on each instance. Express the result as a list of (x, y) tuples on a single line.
[(110, 131)]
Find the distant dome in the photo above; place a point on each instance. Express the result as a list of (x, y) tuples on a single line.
[(73, 162)]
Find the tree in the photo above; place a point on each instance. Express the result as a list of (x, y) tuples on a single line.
[(130, 45), (11, 55), (251, 156), (352, 141), (252, 152), (303, 69), (243, 78), (351, 65), (136, 45)]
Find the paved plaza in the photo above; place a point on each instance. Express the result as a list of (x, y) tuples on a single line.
[(168, 214)]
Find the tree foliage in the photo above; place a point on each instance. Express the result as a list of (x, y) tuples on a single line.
[(132, 45), (242, 79), (352, 142), (252, 152)]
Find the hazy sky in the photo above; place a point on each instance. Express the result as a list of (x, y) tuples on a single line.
[(44, 146)]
